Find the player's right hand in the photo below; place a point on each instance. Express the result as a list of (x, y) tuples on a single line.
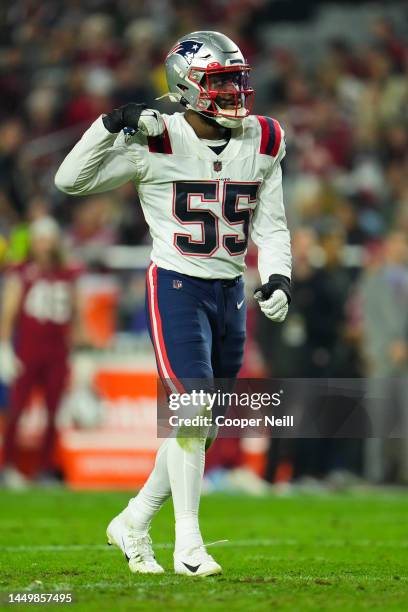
[(151, 122), (10, 366), (134, 117)]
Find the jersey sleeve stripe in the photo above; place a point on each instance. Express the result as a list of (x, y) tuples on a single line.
[(264, 133), (277, 138), (271, 136), (160, 144)]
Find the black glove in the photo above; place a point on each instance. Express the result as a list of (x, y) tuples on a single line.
[(276, 281), (124, 116)]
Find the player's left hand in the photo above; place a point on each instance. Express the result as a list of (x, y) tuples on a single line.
[(274, 297)]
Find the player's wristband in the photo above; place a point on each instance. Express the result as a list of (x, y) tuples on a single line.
[(276, 281), (126, 116)]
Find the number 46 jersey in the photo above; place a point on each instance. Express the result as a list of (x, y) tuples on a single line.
[(201, 207), (45, 311)]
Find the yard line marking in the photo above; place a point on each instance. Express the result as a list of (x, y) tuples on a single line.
[(231, 543)]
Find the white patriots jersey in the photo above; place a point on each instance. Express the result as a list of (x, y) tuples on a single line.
[(200, 207)]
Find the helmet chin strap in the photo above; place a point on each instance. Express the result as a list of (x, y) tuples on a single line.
[(228, 122), (224, 122)]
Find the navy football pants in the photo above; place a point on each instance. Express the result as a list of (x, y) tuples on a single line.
[(197, 327)]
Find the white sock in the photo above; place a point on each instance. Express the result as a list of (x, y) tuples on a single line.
[(185, 464), (155, 491)]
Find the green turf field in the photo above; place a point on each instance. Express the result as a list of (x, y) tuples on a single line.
[(299, 553)]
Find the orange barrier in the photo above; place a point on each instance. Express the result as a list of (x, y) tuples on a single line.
[(98, 304), (120, 453)]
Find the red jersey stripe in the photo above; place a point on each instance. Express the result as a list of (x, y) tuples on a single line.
[(160, 144)]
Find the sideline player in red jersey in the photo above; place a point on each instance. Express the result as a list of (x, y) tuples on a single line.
[(38, 308)]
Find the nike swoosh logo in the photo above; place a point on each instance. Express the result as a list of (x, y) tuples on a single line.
[(239, 304), (192, 568)]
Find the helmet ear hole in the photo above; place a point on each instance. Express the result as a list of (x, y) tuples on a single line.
[(182, 87)]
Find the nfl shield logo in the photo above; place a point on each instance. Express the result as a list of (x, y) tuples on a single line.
[(217, 166), (177, 284)]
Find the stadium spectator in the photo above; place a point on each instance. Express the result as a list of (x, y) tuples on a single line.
[(383, 293), (93, 228)]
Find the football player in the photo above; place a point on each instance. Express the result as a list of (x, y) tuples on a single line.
[(39, 308), (207, 177)]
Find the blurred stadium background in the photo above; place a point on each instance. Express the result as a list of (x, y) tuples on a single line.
[(336, 76)]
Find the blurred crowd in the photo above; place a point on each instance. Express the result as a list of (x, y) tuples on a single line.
[(346, 170)]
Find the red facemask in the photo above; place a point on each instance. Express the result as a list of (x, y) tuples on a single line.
[(224, 91)]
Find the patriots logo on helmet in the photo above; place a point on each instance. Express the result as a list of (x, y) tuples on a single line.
[(187, 49)]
